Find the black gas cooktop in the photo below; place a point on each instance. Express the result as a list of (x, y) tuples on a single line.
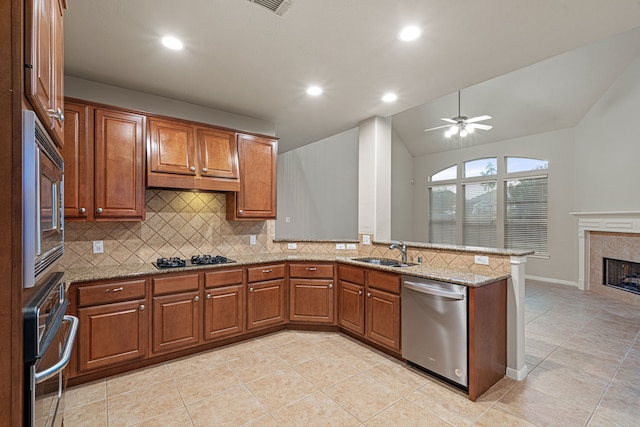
[(195, 260)]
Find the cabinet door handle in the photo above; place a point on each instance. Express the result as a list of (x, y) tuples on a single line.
[(141, 307), (359, 292), (268, 271), (250, 289), (368, 294), (205, 170), (82, 210), (196, 298), (192, 168), (208, 296), (99, 210), (330, 285), (60, 115), (240, 212), (311, 269)]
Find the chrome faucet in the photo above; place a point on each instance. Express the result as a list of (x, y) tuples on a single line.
[(402, 247)]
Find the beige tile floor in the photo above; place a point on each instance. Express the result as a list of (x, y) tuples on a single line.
[(582, 350)]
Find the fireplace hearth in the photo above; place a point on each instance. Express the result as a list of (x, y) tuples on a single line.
[(621, 274)]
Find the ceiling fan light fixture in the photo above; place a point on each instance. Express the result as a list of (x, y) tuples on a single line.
[(453, 129), (469, 129), (464, 132)]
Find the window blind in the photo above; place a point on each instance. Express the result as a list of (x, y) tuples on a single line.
[(442, 214), (479, 226), (526, 214)]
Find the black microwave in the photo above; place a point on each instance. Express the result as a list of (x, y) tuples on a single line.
[(43, 205)]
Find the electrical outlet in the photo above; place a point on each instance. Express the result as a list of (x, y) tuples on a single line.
[(482, 259), (98, 247), (351, 246), (292, 246), (340, 246), (366, 239), (252, 239), (287, 220)]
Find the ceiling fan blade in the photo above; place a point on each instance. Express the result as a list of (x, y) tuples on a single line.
[(478, 119), (479, 126), (448, 120), (438, 127)]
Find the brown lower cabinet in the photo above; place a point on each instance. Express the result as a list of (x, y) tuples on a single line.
[(114, 324), (223, 304), (369, 305), (311, 296)]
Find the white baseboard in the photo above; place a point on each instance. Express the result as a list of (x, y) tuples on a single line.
[(551, 280), (518, 375)]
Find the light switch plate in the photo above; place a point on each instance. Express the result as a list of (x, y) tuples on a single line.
[(351, 246), (98, 247), (292, 246), (482, 259), (340, 246), (366, 239), (252, 239)]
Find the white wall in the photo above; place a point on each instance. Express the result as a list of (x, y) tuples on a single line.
[(119, 97), (318, 189), (607, 152), (401, 190), (558, 148)]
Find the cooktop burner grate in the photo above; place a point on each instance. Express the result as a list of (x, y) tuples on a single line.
[(195, 260), (170, 262)]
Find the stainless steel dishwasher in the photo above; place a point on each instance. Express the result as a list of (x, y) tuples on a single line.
[(434, 327)]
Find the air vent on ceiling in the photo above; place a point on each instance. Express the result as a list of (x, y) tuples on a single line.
[(279, 7)]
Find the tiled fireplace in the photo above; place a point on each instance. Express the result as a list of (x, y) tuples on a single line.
[(616, 237)]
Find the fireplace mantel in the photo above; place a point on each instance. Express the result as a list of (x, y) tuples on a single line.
[(610, 222)]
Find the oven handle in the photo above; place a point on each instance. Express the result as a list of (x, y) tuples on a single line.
[(66, 354), (432, 290)]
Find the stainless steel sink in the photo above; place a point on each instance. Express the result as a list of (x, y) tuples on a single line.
[(384, 262)]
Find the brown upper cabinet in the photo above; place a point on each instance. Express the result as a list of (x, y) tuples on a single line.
[(44, 63), (257, 196), (104, 164), (183, 155)]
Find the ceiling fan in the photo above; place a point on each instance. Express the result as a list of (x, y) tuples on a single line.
[(462, 125)]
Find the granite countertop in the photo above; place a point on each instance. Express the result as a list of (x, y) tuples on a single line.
[(461, 277), (459, 248)]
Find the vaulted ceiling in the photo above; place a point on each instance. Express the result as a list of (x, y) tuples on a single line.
[(244, 59)]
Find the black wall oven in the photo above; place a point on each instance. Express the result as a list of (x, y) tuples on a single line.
[(48, 341)]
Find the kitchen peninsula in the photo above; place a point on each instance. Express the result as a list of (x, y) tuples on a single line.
[(260, 294)]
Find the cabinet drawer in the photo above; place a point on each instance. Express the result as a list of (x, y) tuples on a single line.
[(172, 284), (351, 274), (111, 292), (384, 281), (265, 272), (311, 271), (216, 279)]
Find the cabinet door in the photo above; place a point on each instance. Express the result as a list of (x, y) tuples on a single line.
[(58, 71), (351, 306), (111, 334), (218, 154), (266, 304), (257, 196), (172, 148), (383, 318), (311, 301), (78, 161), (119, 163), (176, 321), (223, 313)]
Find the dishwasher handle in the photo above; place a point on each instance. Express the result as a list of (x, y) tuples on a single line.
[(433, 290)]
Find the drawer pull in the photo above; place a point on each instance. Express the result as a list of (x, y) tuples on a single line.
[(311, 269), (268, 271), (141, 307), (114, 290)]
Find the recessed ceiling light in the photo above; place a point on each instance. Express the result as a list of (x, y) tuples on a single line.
[(314, 90), (389, 97), (409, 33), (172, 43)]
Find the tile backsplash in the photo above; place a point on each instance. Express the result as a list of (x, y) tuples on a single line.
[(178, 223)]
